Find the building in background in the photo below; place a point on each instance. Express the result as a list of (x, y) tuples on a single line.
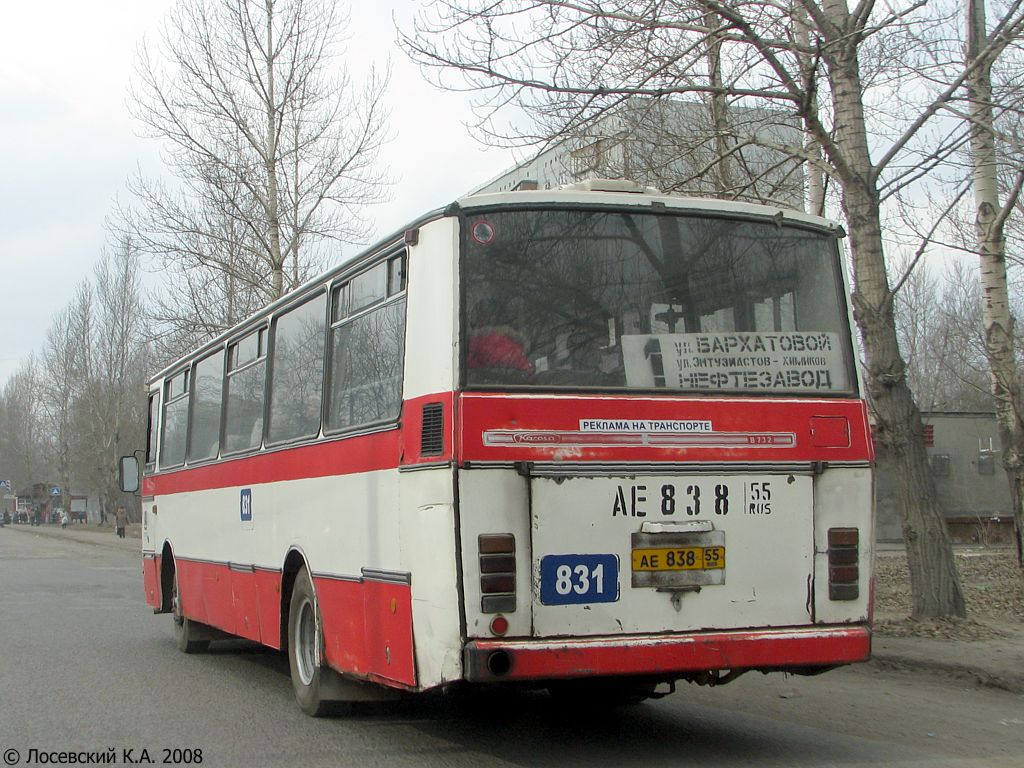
[(42, 498), (966, 461), (671, 145)]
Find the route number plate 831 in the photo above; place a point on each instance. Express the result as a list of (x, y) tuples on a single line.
[(579, 579)]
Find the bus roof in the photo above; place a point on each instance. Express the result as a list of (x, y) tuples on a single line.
[(616, 193)]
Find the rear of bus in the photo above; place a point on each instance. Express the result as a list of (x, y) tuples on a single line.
[(662, 452)]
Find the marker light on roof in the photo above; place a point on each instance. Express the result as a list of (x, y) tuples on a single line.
[(483, 232)]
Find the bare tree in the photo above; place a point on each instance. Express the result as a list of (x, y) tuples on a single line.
[(273, 156), (938, 318), (880, 124), (67, 342), (24, 442), (71, 415), (110, 410), (990, 221)]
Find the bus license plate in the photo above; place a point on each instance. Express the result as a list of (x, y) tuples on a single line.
[(653, 559)]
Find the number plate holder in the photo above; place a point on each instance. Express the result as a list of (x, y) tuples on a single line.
[(684, 578)]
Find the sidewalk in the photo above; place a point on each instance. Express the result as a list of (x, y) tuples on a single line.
[(997, 662), (85, 534)]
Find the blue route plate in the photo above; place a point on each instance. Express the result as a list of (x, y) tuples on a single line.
[(579, 579)]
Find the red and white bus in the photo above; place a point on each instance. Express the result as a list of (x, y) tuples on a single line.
[(594, 439)]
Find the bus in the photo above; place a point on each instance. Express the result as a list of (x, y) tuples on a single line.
[(594, 439)]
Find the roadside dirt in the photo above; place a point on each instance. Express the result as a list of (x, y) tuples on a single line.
[(993, 587)]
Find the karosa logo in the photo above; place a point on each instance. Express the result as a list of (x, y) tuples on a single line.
[(534, 438)]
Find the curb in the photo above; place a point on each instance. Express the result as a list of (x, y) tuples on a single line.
[(1004, 680), (90, 539)]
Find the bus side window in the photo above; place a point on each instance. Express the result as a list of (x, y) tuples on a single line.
[(174, 424), (154, 404), (297, 373), (207, 403), (366, 350), (246, 393)]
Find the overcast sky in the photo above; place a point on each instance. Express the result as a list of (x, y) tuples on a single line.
[(67, 144)]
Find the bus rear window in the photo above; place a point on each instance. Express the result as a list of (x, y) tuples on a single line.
[(598, 299)]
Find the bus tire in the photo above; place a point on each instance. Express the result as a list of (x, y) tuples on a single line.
[(187, 633), (305, 649)]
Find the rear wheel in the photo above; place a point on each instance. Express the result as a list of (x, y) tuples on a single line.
[(305, 649), (186, 631)]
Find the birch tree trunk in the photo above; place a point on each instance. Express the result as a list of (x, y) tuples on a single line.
[(935, 583), (271, 161), (989, 223)]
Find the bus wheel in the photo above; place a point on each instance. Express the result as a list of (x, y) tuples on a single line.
[(305, 645), (186, 633)]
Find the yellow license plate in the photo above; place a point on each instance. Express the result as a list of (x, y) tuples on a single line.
[(679, 559)]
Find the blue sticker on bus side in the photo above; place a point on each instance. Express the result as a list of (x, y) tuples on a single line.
[(578, 579), (246, 505)]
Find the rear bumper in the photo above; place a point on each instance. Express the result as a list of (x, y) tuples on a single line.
[(661, 655)]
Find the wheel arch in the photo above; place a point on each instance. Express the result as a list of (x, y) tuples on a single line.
[(166, 577), (294, 562)]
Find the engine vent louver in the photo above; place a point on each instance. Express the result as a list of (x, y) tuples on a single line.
[(432, 434)]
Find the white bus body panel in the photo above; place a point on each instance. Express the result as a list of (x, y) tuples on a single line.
[(844, 498), (317, 516), (431, 340), (428, 540)]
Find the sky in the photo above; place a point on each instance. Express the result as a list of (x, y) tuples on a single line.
[(68, 144)]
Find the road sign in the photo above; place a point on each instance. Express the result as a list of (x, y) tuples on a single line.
[(6, 484), (55, 491)]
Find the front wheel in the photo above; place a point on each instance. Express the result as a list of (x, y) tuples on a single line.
[(186, 631), (305, 649)]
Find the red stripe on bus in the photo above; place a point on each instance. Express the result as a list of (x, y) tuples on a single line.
[(338, 456), (364, 453), (240, 602), (151, 580), (512, 427), (367, 625), (368, 629), (507, 427), (671, 655)]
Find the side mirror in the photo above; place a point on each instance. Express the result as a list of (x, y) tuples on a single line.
[(128, 474)]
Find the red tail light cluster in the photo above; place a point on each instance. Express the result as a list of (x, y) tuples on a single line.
[(497, 572), (843, 563)]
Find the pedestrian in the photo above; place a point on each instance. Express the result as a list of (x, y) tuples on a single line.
[(121, 521), (63, 519)]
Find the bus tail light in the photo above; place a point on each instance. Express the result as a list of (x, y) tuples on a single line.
[(843, 563), (497, 553)]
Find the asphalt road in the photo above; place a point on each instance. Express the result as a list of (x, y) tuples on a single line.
[(85, 666)]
